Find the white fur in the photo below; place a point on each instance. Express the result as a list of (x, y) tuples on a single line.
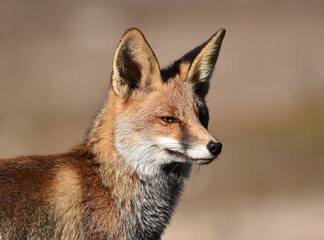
[(142, 154), (144, 157), (170, 144), (199, 152), (193, 152)]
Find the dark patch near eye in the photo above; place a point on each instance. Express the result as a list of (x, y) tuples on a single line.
[(129, 69), (201, 89), (204, 116)]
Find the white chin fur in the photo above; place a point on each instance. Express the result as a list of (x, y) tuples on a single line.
[(145, 158)]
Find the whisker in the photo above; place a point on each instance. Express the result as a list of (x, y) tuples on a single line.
[(174, 168), (196, 172), (217, 83), (213, 97)]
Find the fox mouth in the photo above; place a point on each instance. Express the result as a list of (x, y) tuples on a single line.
[(185, 158)]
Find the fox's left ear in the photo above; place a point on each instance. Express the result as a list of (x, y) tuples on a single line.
[(198, 65), (135, 67)]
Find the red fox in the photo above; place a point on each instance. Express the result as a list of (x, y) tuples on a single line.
[(124, 180)]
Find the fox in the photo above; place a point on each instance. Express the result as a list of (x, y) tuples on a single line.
[(124, 179)]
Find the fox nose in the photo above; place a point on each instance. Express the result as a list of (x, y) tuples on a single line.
[(214, 147)]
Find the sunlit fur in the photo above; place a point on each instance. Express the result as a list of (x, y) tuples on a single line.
[(124, 180)]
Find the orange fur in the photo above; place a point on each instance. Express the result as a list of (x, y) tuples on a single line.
[(123, 181)]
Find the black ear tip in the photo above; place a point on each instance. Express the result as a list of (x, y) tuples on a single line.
[(220, 33), (133, 30)]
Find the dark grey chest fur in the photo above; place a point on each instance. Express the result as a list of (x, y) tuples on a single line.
[(160, 196)]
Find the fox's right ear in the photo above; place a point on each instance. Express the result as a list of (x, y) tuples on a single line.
[(135, 67)]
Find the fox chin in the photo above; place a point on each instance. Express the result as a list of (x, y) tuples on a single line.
[(124, 180)]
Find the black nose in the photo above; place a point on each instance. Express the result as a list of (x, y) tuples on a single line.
[(214, 147)]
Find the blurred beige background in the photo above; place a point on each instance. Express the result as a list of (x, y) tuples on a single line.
[(266, 100)]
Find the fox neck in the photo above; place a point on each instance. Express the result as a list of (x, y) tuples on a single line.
[(160, 196), (149, 199)]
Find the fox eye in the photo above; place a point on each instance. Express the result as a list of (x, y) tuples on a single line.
[(168, 119)]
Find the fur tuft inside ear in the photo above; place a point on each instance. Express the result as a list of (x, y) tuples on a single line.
[(135, 67)]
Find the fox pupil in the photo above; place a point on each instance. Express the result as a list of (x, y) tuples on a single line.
[(168, 119)]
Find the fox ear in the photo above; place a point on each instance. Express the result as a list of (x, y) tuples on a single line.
[(198, 65), (135, 66)]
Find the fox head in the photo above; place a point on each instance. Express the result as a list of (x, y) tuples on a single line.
[(158, 117)]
